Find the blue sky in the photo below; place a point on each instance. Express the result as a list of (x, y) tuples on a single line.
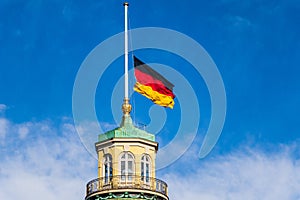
[(255, 45)]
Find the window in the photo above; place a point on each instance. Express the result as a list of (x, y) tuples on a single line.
[(126, 166), (145, 168), (107, 168)]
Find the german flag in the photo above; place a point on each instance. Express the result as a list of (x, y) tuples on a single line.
[(153, 85)]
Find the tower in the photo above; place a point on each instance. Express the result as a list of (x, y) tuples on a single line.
[(126, 158), (126, 165)]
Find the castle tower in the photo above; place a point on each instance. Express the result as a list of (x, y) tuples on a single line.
[(126, 165), (126, 158)]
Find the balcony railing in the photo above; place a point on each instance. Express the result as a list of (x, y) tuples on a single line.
[(126, 182)]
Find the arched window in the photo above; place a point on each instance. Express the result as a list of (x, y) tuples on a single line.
[(126, 166), (145, 168), (107, 168)]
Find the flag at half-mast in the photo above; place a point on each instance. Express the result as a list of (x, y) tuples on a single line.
[(153, 85)]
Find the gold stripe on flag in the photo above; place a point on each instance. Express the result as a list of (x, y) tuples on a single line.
[(156, 97)]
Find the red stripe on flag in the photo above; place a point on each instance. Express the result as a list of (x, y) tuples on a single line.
[(161, 89), (155, 84), (145, 79)]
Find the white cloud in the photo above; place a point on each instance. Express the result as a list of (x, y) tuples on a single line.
[(23, 131), (3, 128), (3, 107), (238, 23), (176, 148), (52, 164), (249, 174)]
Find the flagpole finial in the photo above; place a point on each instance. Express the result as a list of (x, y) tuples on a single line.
[(125, 4), (126, 107)]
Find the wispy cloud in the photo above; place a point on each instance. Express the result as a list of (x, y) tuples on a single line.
[(3, 107), (3, 128), (238, 21), (23, 130), (245, 174), (51, 162), (40, 158)]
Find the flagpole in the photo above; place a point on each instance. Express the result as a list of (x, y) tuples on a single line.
[(126, 107), (126, 49)]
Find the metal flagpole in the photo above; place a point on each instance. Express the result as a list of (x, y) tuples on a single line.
[(126, 50), (126, 107)]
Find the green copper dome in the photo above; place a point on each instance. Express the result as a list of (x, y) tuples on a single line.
[(126, 130)]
